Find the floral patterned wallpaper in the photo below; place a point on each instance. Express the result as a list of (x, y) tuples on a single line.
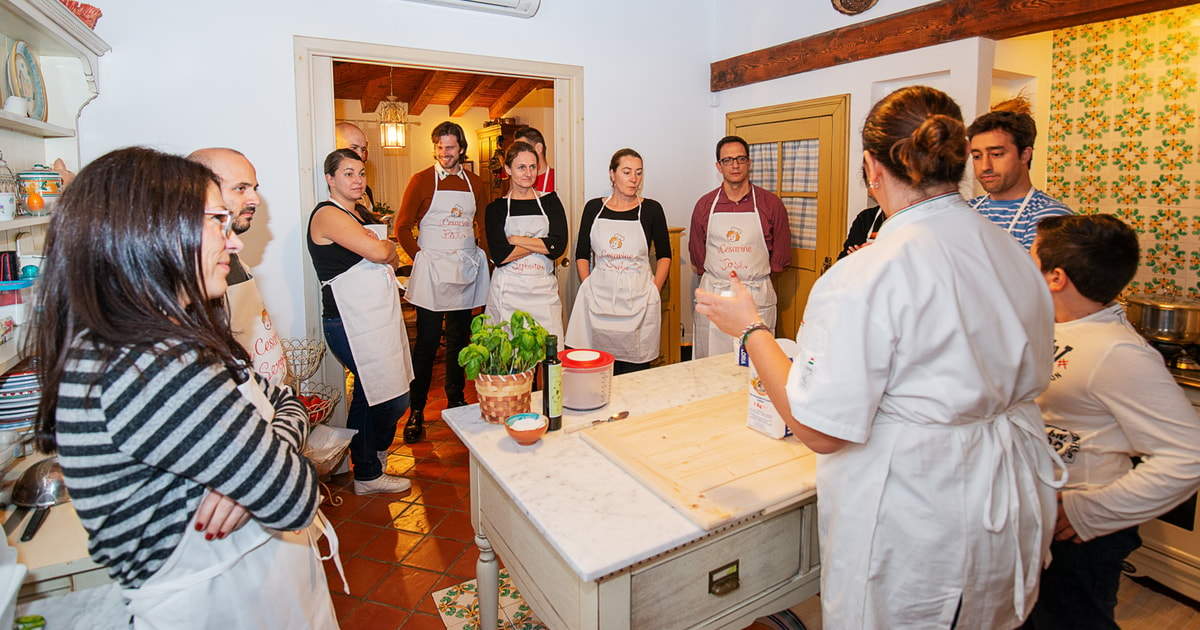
[(1123, 138)]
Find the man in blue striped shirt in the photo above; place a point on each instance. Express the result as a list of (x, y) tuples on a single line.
[(1001, 151)]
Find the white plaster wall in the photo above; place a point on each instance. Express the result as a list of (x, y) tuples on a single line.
[(186, 75)]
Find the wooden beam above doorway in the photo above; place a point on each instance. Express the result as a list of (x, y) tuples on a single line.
[(938, 23)]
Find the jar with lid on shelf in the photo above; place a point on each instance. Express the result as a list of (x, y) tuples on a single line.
[(40, 183)]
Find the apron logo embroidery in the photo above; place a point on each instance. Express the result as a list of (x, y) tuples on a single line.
[(265, 319), (733, 235), (456, 211), (617, 241)]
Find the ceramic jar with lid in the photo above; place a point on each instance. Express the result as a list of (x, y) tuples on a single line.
[(43, 181)]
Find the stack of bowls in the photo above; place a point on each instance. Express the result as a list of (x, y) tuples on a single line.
[(20, 392)]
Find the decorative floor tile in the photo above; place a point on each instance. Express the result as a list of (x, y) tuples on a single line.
[(459, 607)]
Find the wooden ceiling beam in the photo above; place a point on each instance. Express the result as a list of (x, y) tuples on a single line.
[(513, 95), (375, 91), (938, 23), (423, 95), (345, 72), (474, 86)]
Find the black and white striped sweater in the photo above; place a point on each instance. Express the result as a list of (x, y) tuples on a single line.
[(141, 446)]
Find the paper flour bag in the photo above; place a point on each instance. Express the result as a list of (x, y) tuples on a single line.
[(761, 415)]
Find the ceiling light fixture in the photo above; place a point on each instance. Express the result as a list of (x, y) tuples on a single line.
[(393, 120)]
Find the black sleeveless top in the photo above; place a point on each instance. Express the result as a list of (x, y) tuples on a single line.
[(330, 261)]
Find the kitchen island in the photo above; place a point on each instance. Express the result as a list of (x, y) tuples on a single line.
[(591, 547)]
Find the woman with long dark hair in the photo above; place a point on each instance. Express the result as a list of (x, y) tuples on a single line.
[(184, 466), (360, 311), (915, 378)]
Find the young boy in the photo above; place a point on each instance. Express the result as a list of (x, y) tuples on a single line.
[(1110, 398)]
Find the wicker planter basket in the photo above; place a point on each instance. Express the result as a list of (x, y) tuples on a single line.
[(504, 395)]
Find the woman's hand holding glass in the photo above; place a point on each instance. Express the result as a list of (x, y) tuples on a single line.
[(729, 313)]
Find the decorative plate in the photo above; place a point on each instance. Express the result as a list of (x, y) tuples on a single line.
[(25, 78)]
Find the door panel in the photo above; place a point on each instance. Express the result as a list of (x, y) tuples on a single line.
[(799, 152)]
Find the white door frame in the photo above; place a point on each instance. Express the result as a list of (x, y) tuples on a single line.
[(315, 121)]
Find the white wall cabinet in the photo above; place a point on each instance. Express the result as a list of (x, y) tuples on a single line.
[(68, 53)]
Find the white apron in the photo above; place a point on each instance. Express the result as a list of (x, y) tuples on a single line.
[(618, 309), (252, 579), (527, 284), (369, 304), (735, 241), (252, 328), (449, 272)]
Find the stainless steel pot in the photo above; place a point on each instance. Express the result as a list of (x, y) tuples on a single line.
[(1164, 318), (40, 487)]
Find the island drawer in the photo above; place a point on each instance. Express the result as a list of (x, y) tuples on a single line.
[(718, 573)]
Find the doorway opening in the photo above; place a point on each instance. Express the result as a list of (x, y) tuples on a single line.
[(316, 116)]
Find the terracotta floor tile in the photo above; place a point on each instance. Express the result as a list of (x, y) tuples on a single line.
[(464, 568), (372, 616), (421, 621), (420, 518), (390, 546), (364, 574), (435, 554), (352, 536), (452, 451), (458, 475), (444, 495), (343, 605), (456, 526), (350, 503), (381, 509), (429, 469), (404, 588)]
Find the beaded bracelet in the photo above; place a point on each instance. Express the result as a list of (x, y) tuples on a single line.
[(747, 331)]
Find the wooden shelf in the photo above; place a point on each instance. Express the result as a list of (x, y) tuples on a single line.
[(21, 222), (33, 127)]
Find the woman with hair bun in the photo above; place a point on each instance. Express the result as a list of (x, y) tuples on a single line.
[(918, 364)]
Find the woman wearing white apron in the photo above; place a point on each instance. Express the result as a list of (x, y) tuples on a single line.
[(936, 481), (618, 307), (735, 242), (363, 324), (526, 233), (183, 465)]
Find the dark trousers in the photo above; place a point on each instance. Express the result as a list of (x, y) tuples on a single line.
[(429, 336), (624, 367), (376, 425), (1079, 588)]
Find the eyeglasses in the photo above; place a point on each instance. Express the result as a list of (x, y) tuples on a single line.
[(225, 218), (728, 161)]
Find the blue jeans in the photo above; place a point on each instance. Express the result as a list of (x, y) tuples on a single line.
[(376, 424), (1079, 588)]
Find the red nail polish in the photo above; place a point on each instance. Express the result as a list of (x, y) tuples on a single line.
[(199, 527), (221, 535), (208, 537)]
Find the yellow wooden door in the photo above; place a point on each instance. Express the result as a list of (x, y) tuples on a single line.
[(799, 152)]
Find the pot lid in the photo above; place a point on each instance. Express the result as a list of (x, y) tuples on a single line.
[(582, 359), (1167, 302)]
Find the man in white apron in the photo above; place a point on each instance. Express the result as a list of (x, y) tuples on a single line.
[(1001, 151), (737, 227), (251, 324), (450, 272)]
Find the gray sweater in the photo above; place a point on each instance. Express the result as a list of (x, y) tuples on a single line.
[(140, 447)]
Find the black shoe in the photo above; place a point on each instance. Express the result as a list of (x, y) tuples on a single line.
[(414, 430), (456, 402)]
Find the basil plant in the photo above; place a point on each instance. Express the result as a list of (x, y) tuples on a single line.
[(496, 351)]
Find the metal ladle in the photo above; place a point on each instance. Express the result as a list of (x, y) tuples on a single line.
[(620, 415)]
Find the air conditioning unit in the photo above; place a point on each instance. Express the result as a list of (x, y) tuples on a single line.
[(517, 8)]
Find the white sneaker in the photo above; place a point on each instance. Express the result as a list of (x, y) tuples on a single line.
[(384, 484)]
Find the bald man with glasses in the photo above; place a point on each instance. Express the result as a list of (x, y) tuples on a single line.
[(737, 227)]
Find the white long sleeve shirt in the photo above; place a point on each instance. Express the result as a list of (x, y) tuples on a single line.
[(1111, 398)]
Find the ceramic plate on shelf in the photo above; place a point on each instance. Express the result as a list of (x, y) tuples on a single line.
[(25, 78)]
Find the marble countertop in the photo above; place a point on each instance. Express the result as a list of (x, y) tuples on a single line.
[(599, 518)]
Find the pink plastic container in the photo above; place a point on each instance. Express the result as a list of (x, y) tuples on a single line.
[(587, 378)]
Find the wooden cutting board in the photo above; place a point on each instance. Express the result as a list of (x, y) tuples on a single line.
[(703, 459)]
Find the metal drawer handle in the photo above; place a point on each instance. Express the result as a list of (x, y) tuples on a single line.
[(724, 580)]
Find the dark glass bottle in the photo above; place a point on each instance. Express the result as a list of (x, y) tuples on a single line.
[(552, 385)]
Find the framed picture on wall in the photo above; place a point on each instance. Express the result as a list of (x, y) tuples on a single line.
[(469, 165)]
